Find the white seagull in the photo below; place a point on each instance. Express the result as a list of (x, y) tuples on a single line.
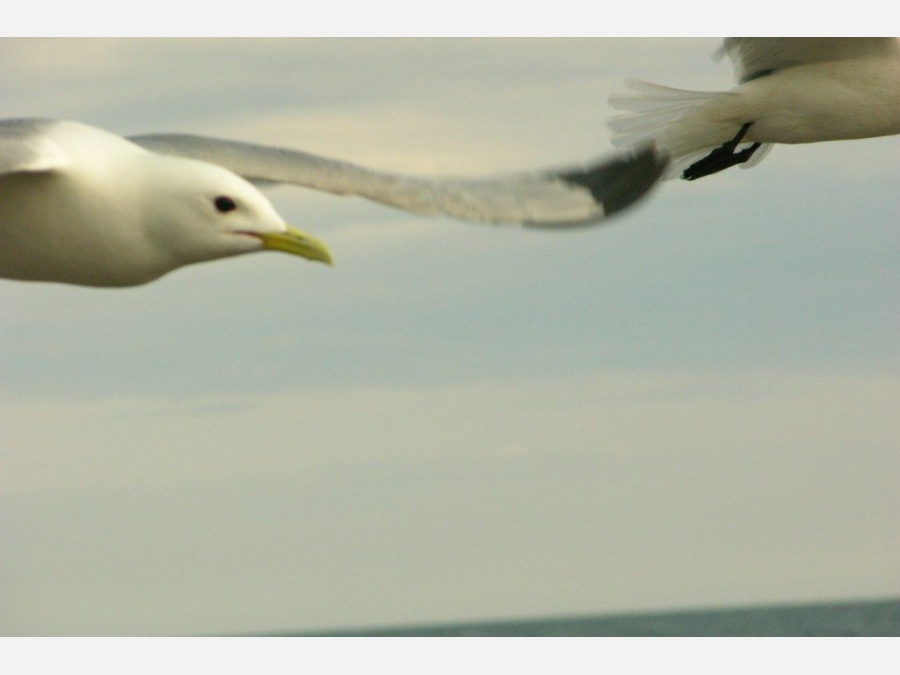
[(80, 205), (790, 90)]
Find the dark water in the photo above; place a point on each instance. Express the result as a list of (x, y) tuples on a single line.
[(871, 619)]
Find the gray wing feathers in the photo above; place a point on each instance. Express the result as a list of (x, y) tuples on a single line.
[(539, 198), (753, 57)]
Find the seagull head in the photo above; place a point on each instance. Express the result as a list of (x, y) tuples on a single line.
[(205, 212)]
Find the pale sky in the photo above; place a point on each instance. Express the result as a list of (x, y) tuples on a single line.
[(692, 406)]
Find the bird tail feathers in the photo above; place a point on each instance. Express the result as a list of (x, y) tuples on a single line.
[(672, 120)]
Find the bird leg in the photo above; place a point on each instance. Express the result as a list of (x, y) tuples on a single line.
[(722, 157)]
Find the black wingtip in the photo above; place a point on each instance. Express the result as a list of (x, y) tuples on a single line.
[(622, 181)]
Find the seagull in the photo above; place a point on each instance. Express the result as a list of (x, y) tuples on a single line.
[(80, 205), (790, 90)]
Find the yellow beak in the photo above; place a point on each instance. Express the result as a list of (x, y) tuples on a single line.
[(296, 242)]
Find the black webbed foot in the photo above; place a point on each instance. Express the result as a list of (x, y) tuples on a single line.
[(722, 157)]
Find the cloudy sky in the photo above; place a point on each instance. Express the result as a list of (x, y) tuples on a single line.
[(693, 406)]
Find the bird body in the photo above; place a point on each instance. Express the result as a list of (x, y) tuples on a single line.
[(83, 206), (791, 90), (98, 198), (825, 101)]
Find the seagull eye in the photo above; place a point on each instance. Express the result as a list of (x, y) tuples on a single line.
[(224, 204)]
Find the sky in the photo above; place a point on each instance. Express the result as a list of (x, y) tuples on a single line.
[(693, 405)]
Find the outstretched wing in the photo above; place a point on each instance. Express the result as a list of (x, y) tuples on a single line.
[(540, 198), (755, 57)]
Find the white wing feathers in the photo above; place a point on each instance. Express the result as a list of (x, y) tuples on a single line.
[(666, 118), (23, 148), (540, 198)]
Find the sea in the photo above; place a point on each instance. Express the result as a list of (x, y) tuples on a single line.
[(851, 619)]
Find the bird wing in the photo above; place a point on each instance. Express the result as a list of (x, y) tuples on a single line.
[(573, 197), (755, 57), (25, 148)]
